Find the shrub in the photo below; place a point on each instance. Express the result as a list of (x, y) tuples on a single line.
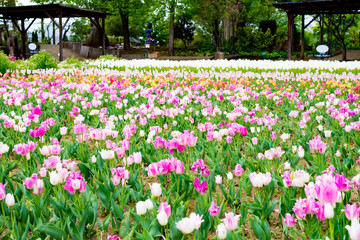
[(71, 63), (43, 60), (5, 63)]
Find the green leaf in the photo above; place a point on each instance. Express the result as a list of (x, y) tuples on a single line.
[(104, 195), (265, 227), (154, 228), (52, 230), (125, 228), (105, 223), (174, 232), (259, 232)]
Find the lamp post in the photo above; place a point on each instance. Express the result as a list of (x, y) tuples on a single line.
[(148, 38)]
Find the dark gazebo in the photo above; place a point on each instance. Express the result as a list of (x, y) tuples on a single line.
[(317, 8), (52, 11)]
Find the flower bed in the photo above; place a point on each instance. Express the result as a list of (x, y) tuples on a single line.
[(151, 149)]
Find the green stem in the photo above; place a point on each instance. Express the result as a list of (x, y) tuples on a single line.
[(331, 230), (12, 220)]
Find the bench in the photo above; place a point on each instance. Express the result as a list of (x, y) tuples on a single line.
[(322, 50)]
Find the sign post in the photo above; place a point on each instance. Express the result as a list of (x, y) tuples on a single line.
[(148, 38)]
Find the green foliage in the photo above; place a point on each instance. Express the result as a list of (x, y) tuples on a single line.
[(202, 42), (43, 60), (107, 57), (5, 63), (80, 30), (34, 36), (250, 40), (113, 26), (115, 39), (184, 30), (71, 63)]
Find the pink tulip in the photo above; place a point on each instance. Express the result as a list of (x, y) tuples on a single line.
[(200, 187), (342, 183), (113, 237), (214, 210), (316, 145), (80, 128), (243, 131), (326, 192), (321, 213), (352, 212), (119, 174), (166, 208), (354, 230), (29, 183), (231, 221), (238, 171), (289, 220), (51, 162), (2, 191), (75, 182)]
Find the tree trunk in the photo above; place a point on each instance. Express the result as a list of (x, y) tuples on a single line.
[(343, 50), (184, 41), (216, 34), (42, 30), (321, 31), (6, 32), (171, 29), (125, 23)]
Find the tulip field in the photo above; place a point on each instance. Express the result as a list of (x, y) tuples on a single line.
[(148, 149)]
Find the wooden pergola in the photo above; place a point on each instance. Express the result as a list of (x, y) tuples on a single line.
[(317, 8), (52, 11)]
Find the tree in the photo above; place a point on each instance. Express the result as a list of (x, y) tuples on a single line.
[(184, 30), (171, 27), (210, 13), (123, 8), (338, 24)]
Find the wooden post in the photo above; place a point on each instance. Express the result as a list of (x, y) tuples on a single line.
[(321, 30), (103, 36), (60, 38), (302, 36), (23, 38), (290, 23)]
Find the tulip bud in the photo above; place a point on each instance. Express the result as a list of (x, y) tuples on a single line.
[(63, 130), (76, 183), (329, 211), (141, 208), (185, 225), (218, 179), (54, 178), (162, 218), (156, 189), (9, 199), (149, 204), (229, 176), (221, 231), (287, 166)]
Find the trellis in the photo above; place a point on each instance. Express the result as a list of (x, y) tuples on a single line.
[(317, 8), (52, 11)]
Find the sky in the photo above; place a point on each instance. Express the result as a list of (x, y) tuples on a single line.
[(24, 2), (36, 25)]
